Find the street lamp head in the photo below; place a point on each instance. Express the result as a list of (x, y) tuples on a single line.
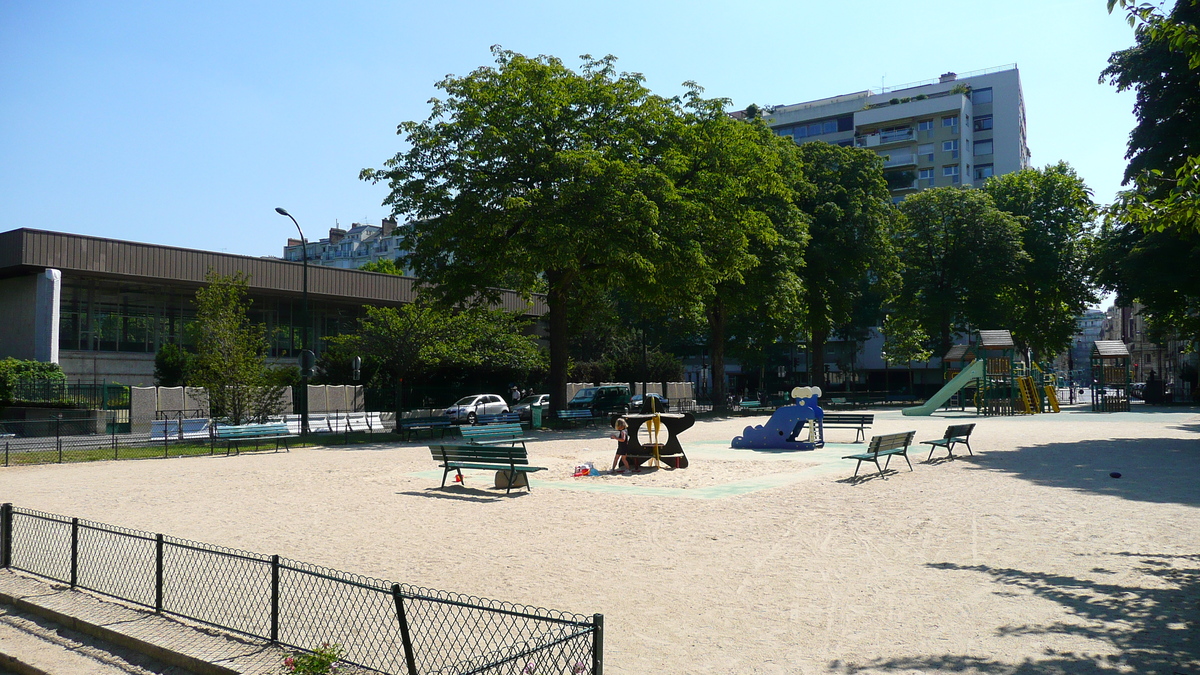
[(280, 211)]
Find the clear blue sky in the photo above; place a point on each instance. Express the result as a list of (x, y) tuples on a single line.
[(187, 123)]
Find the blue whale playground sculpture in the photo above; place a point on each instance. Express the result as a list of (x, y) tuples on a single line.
[(796, 426)]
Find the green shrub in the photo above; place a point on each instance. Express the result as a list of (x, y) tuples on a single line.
[(14, 371)]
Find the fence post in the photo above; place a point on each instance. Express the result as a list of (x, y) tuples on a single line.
[(58, 436), (6, 534), (112, 423), (158, 573), (598, 644), (405, 638), (74, 551), (6, 453), (274, 598)]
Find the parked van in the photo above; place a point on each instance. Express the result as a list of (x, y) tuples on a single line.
[(600, 400)]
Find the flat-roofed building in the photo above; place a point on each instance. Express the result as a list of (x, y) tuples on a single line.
[(955, 130), (101, 308)]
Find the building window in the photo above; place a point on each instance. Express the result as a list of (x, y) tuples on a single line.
[(983, 123), (983, 171), (952, 172), (951, 147), (926, 177), (983, 148), (981, 96), (925, 125), (925, 150), (951, 121)]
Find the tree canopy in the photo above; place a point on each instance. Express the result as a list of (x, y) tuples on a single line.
[(1055, 284), (539, 178), (850, 250), (960, 255)]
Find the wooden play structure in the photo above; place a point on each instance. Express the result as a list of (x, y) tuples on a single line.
[(1110, 372), (988, 374)]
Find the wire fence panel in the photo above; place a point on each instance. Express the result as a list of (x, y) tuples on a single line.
[(41, 544), (382, 626), (116, 562), (319, 605), (218, 586)]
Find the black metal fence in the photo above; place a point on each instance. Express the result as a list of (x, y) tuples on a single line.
[(382, 626), (94, 395), (91, 435)]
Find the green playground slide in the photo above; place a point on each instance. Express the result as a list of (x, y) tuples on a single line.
[(968, 374)]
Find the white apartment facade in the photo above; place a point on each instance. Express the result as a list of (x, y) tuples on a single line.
[(956, 130), (352, 248)]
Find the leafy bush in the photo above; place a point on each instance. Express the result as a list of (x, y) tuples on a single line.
[(14, 371), (323, 661)]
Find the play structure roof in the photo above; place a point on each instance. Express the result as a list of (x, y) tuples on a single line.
[(1110, 349), (996, 339), (958, 353)]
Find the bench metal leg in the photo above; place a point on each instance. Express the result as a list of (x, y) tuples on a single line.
[(906, 460), (968, 444)]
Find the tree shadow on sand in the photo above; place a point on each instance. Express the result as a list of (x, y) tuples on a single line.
[(1159, 470), (1150, 629)]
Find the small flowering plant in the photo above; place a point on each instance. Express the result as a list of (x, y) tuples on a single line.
[(323, 661)]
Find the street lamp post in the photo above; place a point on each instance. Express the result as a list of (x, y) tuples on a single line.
[(305, 358)]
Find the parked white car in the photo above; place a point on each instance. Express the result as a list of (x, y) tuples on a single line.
[(469, 408)]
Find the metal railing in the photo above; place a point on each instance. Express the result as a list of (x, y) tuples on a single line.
[(382, 626)]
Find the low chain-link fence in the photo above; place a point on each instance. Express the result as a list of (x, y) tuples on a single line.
[(91, 435), (381, 626)]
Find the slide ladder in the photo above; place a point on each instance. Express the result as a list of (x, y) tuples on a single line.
[(1030, 402), (968, 375), (1052, 397)]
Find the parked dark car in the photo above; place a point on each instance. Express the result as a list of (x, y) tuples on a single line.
[(600, 400), (661, 404), (524, 407)]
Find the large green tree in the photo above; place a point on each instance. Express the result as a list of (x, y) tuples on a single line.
[(1149, 248), (230, 360), (737, 235), (851, 245), (960, 255), (1055, 284), (535, 175), (1163, 69)]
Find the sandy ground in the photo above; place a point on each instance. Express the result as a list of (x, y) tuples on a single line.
[(1026, 558)]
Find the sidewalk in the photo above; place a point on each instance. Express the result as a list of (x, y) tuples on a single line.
[(31, 611)]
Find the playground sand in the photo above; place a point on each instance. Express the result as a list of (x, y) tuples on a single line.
[(1025, 558)]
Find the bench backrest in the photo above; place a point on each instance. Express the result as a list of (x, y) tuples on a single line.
[(574, 414), (959, 430), (891, 441), (849, 418), (483, 454), (252, 430), (424, 422), (491, 432), (498, 418)]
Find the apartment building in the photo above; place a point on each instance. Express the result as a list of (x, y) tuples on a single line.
[(350, 249), (955, 130)]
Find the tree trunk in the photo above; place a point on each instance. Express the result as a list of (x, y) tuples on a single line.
[(556, 318), (716, 328), (816, 346)]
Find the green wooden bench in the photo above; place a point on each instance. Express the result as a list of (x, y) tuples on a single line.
[(495, 434), (235, 435), (498, 418), (430, 424), (955, 434), (576, 416), (509, 460), (755, 406), (858, 422), (885, 445)]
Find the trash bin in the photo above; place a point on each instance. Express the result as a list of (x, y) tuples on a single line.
[(535, 415)]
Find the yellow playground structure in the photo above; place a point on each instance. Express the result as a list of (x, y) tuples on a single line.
[(988, 373)]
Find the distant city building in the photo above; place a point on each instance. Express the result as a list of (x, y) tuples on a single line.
[(955, 130), (352, 248)]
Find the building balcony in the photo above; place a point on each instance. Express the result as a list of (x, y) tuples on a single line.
[(899, 159), (885, 138)]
